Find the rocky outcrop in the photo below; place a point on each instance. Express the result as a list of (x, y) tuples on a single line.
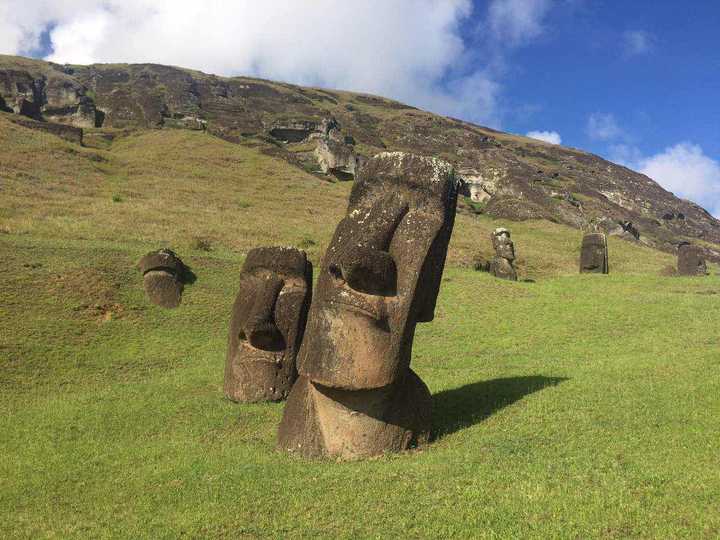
[(52, 97), (69, 133), (505, 176)]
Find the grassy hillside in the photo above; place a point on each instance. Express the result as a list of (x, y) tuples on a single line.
[(575, 406)]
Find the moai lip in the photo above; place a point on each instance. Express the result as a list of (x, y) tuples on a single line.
[(594, 254), (502, 264), (267, 324), (691, 261), (356, 395), (164, 277)]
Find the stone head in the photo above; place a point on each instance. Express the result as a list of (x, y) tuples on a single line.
[(267, 324), (502, 244), (594, 254), (691, 260), (381, 272), (164, 277)]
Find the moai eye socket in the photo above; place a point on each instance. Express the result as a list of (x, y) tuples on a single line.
[(368, 271)]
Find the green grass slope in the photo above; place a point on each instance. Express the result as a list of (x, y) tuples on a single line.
[(575, 406)]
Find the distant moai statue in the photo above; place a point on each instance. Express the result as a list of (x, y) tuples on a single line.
[(267, 324), (691, 260), (356, 395), (502, 264), (594, 254), (164, 277)]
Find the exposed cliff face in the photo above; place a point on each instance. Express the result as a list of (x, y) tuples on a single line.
[(506, 175)]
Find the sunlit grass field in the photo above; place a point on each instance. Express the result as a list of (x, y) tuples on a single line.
[(568, 407)]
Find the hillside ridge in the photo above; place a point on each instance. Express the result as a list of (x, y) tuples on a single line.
[(329, 133)]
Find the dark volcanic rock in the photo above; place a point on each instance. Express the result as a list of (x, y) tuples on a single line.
[(267, 324), (164, 277), (691, 261), (69, 133), (594, 254), (356, 395), (514, 177)]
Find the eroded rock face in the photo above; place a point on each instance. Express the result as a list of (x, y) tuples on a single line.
[(356, 395), (502, 264), (334, 152), (267, 324), (56, 98), (164, 277), (691, 261), (594, 254)]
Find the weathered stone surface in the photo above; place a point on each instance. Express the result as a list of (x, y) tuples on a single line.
[(594, 254), (53, 97), (164, 277), (335, 152), (691, 261), (501, 265), (267, 324), (356, 396)]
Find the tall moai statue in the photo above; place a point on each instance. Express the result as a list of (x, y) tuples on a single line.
[(691, 260), (502, 264), (356, 395), (594, 254), (267, 324)]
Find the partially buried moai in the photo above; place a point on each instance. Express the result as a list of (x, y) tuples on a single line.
[(356, 395), (164, 277), (691, 260), (267, 324), (594, 254), (502, 264)]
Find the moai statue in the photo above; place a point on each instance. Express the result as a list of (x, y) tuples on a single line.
[(356, 395), (594, 254), (691, 260), (502, 264), (164, 277), (267, 324)]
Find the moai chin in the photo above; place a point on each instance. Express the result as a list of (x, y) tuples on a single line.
[(356, 395), (267, 324), (691, 261), (502, 264), (164, 277), (594, 254)]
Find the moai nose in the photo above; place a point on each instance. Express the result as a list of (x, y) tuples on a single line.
[(260, 328)]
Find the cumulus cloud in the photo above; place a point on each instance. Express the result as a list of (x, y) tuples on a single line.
[(552, 137), (603, 127), (688, 172), (517, 21), (637, 42), (410, 50)]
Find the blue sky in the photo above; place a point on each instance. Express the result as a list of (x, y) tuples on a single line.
[(635, 81)]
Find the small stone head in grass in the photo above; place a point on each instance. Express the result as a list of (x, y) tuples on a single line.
[(267, 324), (594, 254), (164, 277), (356, 395)]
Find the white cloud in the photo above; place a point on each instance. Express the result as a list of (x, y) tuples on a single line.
[(410, 50), (637, 42), (603, 126), (685, 170), (518, 21), (552, 137)]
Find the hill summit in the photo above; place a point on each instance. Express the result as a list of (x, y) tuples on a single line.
[(330, 133)]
